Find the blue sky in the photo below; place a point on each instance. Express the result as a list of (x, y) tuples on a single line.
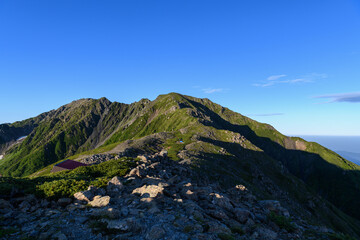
[(293, 64)]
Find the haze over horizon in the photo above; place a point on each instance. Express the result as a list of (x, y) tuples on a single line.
[(293, 64)]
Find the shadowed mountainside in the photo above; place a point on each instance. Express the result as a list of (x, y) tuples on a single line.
[(227, 146)]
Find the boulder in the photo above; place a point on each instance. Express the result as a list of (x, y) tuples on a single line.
[(64, 201), (115, 186), (124, 225), (241, 188), (189, 194), (25, 206), (44, 203), (100, 201), (149, 191), (110, 213), (218, 214), (116, 181), (84, 196), (156, 232), (265, 234), (134, 172), (221, 201), (142, 158), (242, 215), (216, 227), (163, 153), (118, 225), (5, 207), (5, 204)]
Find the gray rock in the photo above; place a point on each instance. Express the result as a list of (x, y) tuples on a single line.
[(134, 172), (114, 186), (242, 215), (80, 219), (100, 201), (115, 181), (44, 203), (216, 227), (111, 213), (149, 191), (119, 225), (59, 236), (84, 196), (271, 205), (5, 204), (218, 214), (163, 153), (221, 201), (124, 225), (266, 234), (100, 191), (156, 232), (124, 211), (64, 201), (24, 206)]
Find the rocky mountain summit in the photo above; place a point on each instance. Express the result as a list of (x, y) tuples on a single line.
[(157, 199), (218, 149)]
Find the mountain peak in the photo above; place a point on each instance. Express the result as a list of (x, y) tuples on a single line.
[(224, 145)]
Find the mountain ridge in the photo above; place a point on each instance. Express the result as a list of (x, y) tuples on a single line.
[(225, 145)]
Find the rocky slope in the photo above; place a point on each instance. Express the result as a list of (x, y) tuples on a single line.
[(73, 128), (158, 199), (225, 147)]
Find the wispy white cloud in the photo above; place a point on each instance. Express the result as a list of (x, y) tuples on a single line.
[(342, 97), (263, 84), (212, 90), (265, 114), (274, 79)]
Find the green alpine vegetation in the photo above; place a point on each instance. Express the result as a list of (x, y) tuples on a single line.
[(224, 145), (66, 183)]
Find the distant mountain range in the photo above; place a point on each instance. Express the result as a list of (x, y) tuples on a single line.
[(225, 146)]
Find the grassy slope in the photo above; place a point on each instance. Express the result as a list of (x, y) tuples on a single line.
[(318, 166), (58, 135), (263, 148), (329, 174), (66, 183)]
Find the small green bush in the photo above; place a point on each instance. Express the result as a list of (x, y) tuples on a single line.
[(282, 221), (62, 188), (100, 182), (237, 229), (66, 183), (7, 184)]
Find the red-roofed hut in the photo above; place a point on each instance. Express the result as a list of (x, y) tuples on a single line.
[(67, 165)]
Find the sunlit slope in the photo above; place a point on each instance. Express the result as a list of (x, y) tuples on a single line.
[(226, 145)]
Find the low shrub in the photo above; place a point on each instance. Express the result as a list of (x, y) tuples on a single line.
[(66, 183), (282, 221), (61, 188)]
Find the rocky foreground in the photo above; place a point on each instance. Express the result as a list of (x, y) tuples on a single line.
[(159, 199)]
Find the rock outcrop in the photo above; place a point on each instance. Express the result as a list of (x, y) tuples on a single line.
[(167, 200)]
